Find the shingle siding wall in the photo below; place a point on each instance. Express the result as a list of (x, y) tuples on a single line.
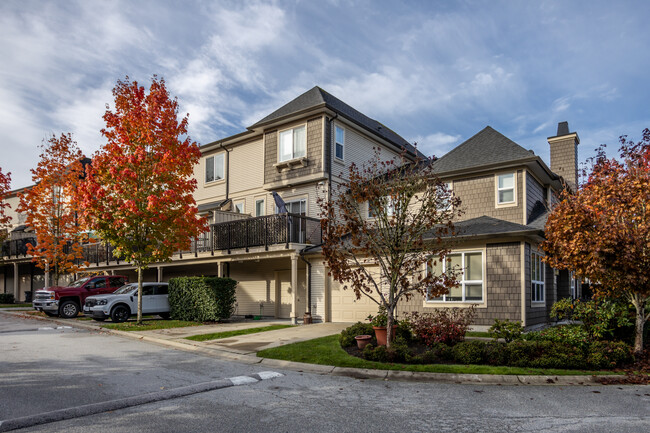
[(478, 196), (314, 152), (503, 286), (564, 159), (534, 195)]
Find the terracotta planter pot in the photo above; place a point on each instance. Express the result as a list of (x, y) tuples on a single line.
[(363, 340), (380, 333)]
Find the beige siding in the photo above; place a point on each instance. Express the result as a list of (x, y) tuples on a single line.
[(478, 196), (318, 276)]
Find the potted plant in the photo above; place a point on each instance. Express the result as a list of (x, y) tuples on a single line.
[(363, 340), (378, 323)]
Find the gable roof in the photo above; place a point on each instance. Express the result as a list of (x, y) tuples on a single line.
[(487, 147), (317, 97)]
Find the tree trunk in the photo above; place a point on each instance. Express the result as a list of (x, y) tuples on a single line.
[(639, 303), (389, 327), (139, 296)]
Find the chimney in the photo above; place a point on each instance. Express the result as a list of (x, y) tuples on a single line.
[(564, 154)]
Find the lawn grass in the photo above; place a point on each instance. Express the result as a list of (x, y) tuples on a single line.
[(328, 351), (478, 334), (15, 305), (226, 334), (149, 325)]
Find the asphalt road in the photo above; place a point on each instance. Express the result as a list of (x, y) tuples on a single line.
[(48, 369)]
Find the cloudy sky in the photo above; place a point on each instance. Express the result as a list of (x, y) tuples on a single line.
[(436, 72)]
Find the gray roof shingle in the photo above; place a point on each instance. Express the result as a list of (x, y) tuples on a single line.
[(488, 226), (486, 148), (318, 97)]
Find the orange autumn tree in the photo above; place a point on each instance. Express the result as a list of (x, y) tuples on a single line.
[(602, 232), (51, 210), (138, 192), (5, 185)]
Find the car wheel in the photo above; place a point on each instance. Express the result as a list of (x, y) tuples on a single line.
[(120, 314), (47, 313), (164, 315), (68, 310), (99, 319)]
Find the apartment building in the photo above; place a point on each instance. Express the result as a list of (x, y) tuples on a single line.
[(301, 152)]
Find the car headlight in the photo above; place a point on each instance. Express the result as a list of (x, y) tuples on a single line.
[(102, 302)]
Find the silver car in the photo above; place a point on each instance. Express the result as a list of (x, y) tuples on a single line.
[(123, 303)]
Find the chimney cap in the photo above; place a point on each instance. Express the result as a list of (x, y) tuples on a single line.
[(563, 131)]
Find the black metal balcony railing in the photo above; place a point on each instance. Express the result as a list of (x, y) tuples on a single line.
[(17, 247), (239, 234)]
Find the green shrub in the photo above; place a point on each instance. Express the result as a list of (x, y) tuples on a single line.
[(347, 335), (495, 353), (573, 335), (600, 318), (6, 298), (558, 355), (398, 352), (202, 299), (608, 354), (378, 353), (506, 329), (469, 352), (520, 353)]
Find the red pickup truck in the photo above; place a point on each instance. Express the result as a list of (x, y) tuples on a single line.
[(66, 301)]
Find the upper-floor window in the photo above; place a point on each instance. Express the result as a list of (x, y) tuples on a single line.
[(469, 268), (339, 142), (298, 207), (293, 143), (536, 277), (259, 207), (445, 202), (239, 207), (390, 207), (214, 168), (506, 188)]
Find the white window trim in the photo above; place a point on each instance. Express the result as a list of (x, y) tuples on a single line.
[(514, 190), (263, 200), (390, 211), (450, 187), (482, 302), (293, 200), (293, 155), (239, 202), (537, 256), (336, 142), (214, 163)]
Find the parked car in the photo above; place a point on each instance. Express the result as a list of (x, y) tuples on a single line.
[(123, 303), (67, 301)]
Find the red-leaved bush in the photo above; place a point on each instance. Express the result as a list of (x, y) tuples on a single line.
[(447, 325)]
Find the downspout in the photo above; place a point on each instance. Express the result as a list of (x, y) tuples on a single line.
[(227, 170)]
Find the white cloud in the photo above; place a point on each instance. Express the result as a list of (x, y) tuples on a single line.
[(436, 144)]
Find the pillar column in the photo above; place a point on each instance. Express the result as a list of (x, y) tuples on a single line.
[(221, 269), (278, 293), (294, 289), (16, 283), (159, 278)]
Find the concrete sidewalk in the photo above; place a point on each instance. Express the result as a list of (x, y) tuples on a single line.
[(244, 348)]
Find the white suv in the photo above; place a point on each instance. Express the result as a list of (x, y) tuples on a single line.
[(122, 303)]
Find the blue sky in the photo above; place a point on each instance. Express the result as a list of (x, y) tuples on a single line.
[(436, 72)]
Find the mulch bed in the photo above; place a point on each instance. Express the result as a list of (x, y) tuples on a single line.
[(635, 374)]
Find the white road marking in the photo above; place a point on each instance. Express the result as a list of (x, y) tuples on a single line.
[(264, 375), (242, 380)]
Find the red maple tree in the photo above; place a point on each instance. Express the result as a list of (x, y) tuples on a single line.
[(5, 185), (602, 232), (384, 226), (138, 192), (51, 210)]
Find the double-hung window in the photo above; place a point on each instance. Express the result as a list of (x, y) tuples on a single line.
[(469, 273), (506, 188), (388, 202), (259, 207), (214, 168), (293, 143), (536, 277), (339, 140)]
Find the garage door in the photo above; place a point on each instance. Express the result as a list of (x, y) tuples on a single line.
[(347, 308)]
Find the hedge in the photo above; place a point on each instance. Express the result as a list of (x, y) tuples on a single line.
[(6, 298), (202, 299)]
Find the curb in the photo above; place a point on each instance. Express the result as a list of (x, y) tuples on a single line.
[(357, 373)]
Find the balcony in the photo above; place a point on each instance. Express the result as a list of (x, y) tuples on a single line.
[(17, 247), (245, 233)]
